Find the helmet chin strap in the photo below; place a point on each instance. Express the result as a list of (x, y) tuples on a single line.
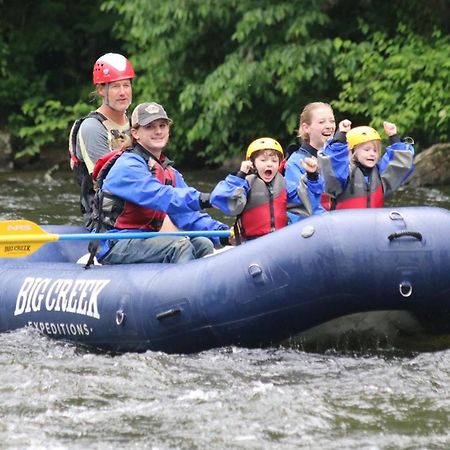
[(107, 98), (106, 85)]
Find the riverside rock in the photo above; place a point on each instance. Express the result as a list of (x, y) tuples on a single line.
[(432, 167)]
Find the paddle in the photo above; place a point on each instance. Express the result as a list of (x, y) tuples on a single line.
[(22, 237)]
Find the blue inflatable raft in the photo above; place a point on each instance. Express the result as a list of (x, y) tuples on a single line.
[(256, 294)]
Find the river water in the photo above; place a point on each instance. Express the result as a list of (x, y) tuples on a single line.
[(57, 396)]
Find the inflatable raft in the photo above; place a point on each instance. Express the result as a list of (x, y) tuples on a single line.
[(257, 294)]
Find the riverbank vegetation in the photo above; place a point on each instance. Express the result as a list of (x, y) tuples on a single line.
[(228, 71)]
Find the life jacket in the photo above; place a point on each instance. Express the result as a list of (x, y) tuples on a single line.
[(78, 166), (307, 151), (111, 211), (361, 193), (104, 165), (265, 210), (326, 201)]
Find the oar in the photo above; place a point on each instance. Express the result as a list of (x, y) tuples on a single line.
[(22, 237)]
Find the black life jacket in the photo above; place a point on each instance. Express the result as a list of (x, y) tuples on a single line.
[(79, 168), (74, 161)]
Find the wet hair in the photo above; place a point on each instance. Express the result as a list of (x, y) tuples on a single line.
[(306, 117), (94, 96)]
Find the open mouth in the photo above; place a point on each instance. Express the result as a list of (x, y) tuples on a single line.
[(268, 173)]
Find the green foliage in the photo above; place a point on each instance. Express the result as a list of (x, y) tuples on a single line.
[(51, 125), (404, 80), (47, 49), (228, 71)]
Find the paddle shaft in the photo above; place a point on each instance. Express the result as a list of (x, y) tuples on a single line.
[(22, 237), (50, 237)]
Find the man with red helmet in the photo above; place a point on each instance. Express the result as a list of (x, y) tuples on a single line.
[(106, 128)]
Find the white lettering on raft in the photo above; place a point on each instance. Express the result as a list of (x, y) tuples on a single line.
[(62, 329), (63, 294)]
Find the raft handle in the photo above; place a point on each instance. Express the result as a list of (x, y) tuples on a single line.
[(169, 313), (396, 215), (405, 288), (399, 234), (120, 317)]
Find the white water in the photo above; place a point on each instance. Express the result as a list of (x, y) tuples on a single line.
[(57, 396)]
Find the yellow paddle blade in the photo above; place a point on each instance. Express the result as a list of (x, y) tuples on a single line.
[(22, 238)]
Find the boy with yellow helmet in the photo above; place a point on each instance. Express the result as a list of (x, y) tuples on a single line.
[(355, 173), (256, 194)]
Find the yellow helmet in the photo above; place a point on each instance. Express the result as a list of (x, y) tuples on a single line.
[(360, 135), (264, 143)]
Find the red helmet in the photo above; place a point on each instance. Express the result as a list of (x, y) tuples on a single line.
[(112, 67)]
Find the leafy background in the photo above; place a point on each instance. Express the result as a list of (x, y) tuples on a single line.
[(228, 71)]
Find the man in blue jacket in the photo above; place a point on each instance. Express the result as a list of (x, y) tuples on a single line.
[(141, 191)]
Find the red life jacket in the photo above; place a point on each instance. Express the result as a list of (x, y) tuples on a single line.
[(265, 210), (362, 194), (104, 164), (326, 201), (117, 213)]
